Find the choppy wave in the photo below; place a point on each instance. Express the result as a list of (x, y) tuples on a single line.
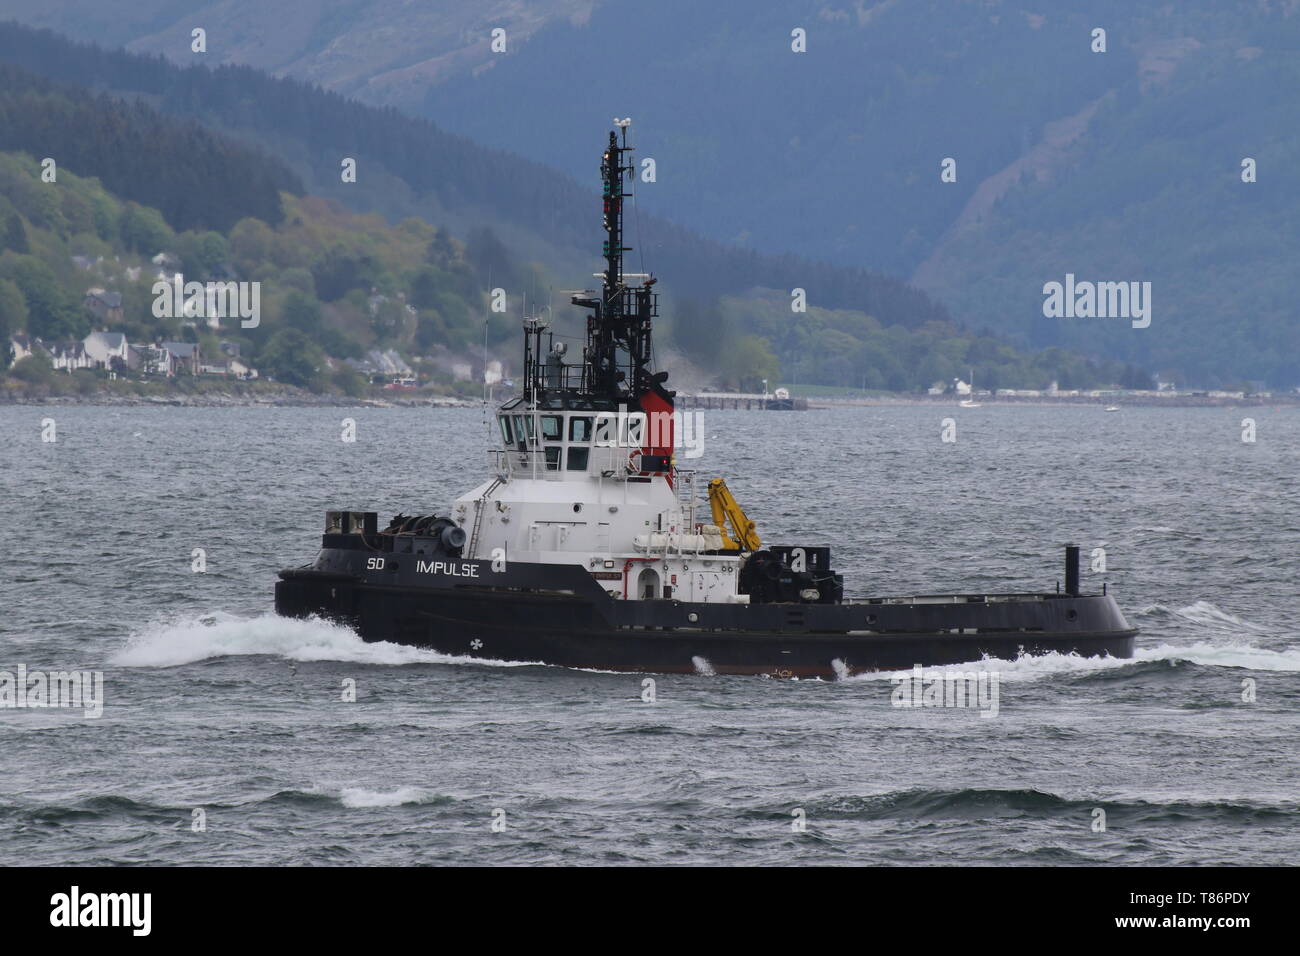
[(1049, 666), (100, 807), (326, 799), (115, 806), (224, 635), (1202, 614), (357, 797), (905, 804), (973, 802)]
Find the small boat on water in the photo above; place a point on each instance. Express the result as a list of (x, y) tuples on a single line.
[(587, 546)]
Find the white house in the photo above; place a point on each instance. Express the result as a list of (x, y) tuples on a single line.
[(104, 347), (152, 360), (70, 356), (24, 345)]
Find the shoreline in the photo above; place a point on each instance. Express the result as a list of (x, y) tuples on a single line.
[(295, 398), (305, 400), (1125, 401)]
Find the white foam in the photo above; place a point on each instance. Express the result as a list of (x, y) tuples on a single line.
[(1225, 655), (1024, 668), (1047, 666), (224, 635), (360, 797)]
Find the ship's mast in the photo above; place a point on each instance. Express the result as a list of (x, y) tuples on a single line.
[(616, 370), (616, 360), (612, 170)]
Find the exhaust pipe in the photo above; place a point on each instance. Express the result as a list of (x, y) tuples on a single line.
[(1072, 569)]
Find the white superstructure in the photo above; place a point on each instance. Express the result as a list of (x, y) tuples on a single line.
[(568, 489)]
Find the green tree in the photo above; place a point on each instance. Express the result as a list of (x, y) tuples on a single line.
[(430, 331), (201, 253), (747, 361), (441, 251), (299, 278), (13, 310), (699, 329), (35, 369), (15, 236), (144, 230), (301, 312), (54, 312), (290, 357), (341, 270), (252, 243), (424, 287), (349, 381), (490, 258)]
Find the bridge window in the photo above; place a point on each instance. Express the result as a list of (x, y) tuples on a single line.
[(507, 432), (523, 426), (552, 430), (552, 457), (578, 458), (580, 429)]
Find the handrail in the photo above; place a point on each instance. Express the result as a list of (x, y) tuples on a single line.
[(525, 464)]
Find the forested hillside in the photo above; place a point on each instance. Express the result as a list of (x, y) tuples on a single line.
[(336, 285), (408, 166), (333, 284), (508, 211), (1122, 165), (197, 180)]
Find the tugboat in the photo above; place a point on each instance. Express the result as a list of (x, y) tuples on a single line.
[(588, 547)]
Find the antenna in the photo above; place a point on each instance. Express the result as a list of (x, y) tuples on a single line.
[(487, 317)]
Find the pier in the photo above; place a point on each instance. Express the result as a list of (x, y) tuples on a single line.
[(742, 400)]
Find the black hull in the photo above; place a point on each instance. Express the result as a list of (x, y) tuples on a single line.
[(573, 623)]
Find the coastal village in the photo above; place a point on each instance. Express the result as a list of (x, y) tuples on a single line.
[(111, 353)]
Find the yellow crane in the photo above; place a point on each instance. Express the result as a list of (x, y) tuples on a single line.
[(727, 511)]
